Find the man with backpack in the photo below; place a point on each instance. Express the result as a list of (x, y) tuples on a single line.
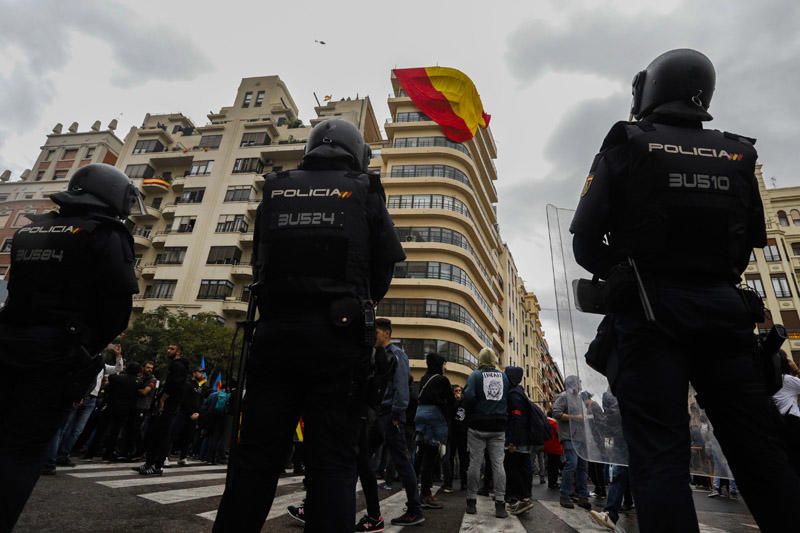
[(215, 411)]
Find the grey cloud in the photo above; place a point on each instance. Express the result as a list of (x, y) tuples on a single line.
[(754, 45)]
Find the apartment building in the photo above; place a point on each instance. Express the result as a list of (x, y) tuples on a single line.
[(202, 186), (61, 155), (773, 271)]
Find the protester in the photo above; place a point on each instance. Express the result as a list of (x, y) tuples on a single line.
[(434, 408), (457, 443), (565, 410), (184, 425), (786, 402), (554, 452), (122, 394), (486, 402), (518, 467)]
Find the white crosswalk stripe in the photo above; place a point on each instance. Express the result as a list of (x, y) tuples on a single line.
[(485, 520), (100, 466), (129, 472), (140, 481), (196, 493)]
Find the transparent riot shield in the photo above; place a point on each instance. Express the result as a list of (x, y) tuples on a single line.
[(597, 435)]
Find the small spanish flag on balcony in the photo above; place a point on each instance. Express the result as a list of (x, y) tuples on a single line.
[(448, 97)]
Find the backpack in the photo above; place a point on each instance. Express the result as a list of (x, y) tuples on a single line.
[(221, 402), (540, 430)]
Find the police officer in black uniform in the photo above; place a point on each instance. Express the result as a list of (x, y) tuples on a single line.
[(683, 203), (325, 254), (69, 295)]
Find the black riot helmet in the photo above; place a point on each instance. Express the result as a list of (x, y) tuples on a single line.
[(679, 82), (337, 142), (101, 187)]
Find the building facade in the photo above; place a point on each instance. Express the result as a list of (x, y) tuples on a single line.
[(63, 153)]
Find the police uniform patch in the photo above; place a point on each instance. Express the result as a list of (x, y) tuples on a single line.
[(586, 185)]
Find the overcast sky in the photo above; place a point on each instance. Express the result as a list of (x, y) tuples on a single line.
[(554, 75)]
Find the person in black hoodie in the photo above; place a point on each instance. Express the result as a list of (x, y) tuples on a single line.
[(434, 409), (457, 443), (519, 470)]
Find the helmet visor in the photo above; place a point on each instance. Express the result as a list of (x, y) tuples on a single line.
[(135, 202)]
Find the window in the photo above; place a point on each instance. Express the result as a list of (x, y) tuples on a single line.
[(201, 168), (771, 252), (795, 214), (40, 175), (171, 255), (248, 164), (190, 196), (6, 246), (248, 97), (3, 197), (754, 282), (752, 256), (429, 308), (161, 289), (214, 289), (437, 171), (69, 154), (210, 141), (444, 271), (791, 321), (796, 248), (238, 193), (89, 152), (783, 220), (255, 139), (50, 155), (148, 146), (184, 224), (29, 196), (781, 286), (411, 116), (419, 348), (259, 99), (224, 255), (424, 142), (139, 171), (156, 203), (231, 223), (60, 175)]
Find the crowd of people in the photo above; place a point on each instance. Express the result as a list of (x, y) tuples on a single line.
[(131, 415)]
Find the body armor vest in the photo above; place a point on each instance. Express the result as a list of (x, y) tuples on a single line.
[(53, 272), (686, 203), (314, 235)]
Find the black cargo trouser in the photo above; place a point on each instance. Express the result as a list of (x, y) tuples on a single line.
[(704, 337), (288, 379)]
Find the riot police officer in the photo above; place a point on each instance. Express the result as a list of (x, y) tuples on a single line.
[(683, 203), (325, 254), (69, 294)]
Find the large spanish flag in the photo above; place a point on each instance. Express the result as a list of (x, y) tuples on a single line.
[(448, 97)]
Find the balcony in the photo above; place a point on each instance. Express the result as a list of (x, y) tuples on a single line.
[(178, 183), (258, 181), (168, 211), (150, 212), (242, 271), (252, 207), (142, 237), (160, 238), (149, 270), (234, 307), (246, 238), (156, 184), (138, 302)]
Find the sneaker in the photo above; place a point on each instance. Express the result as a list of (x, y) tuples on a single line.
[(713, 494), (138, 469), (472, 506), (500, 510), (603, 519), (430, 502), (584, 503), (566, 502), (64, 461), (182, 462), (151, 470), (447, 490), (370, 524), (298, 513), (408, 519), (542, 480), (734, 495), (167, 463), (522, 506), (387, 486)]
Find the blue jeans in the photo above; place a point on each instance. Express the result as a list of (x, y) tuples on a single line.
[(575, 472), (616, 491), (61, 445)]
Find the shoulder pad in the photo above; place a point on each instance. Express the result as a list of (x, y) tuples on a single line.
[(283, 174), (41, 217), (740, 138), (618, 134)]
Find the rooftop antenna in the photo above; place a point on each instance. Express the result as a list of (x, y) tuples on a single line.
[(317, 99), (773, 181)]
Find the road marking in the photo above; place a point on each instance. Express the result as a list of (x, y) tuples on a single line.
[(129, 472), (578, 519), (98, 466), (708, 529), (196, 493), (485, 520), (156, 480)]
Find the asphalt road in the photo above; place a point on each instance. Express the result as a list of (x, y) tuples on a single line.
[(103, 497)]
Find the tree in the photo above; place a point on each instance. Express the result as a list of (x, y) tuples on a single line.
[(201, 336)]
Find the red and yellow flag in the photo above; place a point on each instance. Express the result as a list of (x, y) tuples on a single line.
[(448, 97)]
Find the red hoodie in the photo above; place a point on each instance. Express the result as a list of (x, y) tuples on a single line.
[(552, 446)]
